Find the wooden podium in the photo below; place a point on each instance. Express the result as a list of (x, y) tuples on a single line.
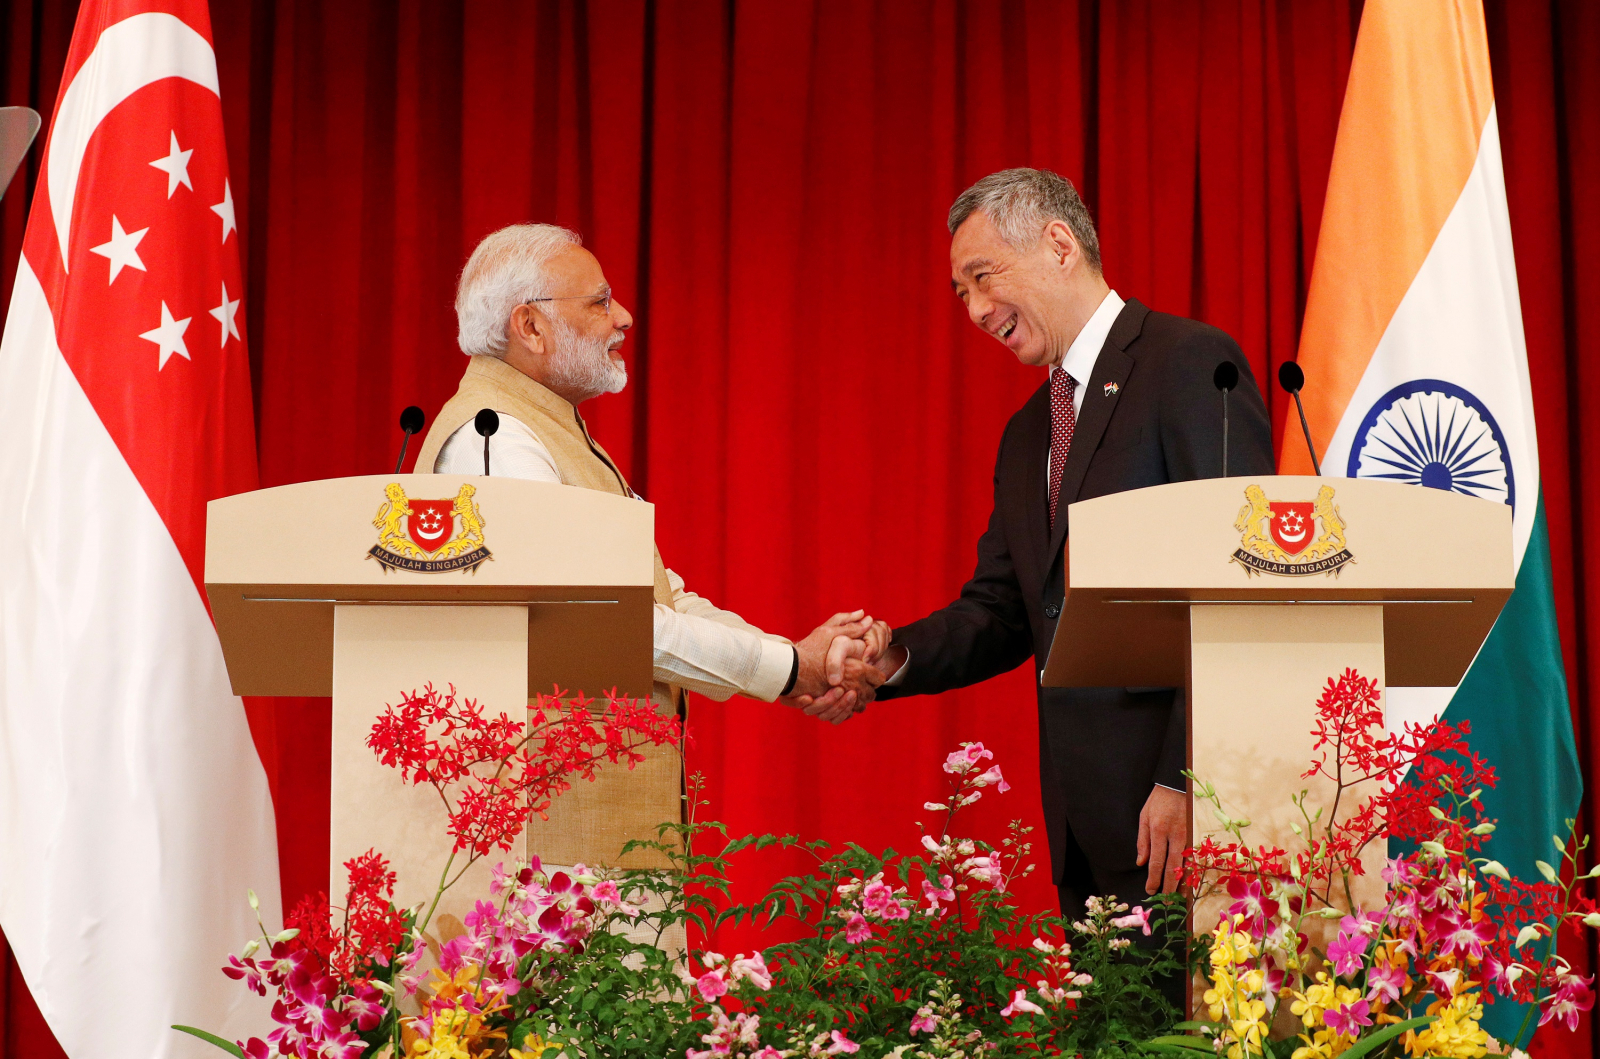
[(366, 588), (1252, 592)]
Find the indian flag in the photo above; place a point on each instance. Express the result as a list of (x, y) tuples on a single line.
[(1417, 372)]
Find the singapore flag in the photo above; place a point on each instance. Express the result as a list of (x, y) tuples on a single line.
[(134, 811)]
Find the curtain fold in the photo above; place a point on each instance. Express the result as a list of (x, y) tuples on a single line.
[(766, 185)]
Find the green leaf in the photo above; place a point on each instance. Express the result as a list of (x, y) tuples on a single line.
[(1196, 1025), (212, 1038), (1184, 1040), (1370, 1044)]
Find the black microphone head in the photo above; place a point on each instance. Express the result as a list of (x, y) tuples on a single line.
[(1226, 377), (486, 422), (1290, 377), (411, 420)]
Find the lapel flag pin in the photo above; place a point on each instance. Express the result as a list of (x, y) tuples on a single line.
[(1112, 388)]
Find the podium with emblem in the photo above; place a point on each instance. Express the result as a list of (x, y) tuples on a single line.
[(366, 588), (1250, 593)]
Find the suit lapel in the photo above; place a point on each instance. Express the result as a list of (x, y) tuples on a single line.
[(1106, 383)]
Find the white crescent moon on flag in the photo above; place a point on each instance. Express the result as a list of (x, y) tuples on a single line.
[(129, 55)]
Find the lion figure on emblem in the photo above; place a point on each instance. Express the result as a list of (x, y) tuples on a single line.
[(471, 522), (1252, 522), (390, 523), (1332, 540)]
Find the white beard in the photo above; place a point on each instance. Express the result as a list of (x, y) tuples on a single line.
[(581, 365)]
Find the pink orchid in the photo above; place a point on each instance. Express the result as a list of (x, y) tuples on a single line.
[(1250, 901), (1139, 917), (255, 1048), (856, 929), (1399, 872), (1385, 983), (1443, 983), (1569, 1001), (1347, 954), (247, 970), (925, 1021), (1468, 939), (1346, 1020), (365, 1005), (1019, 1004)]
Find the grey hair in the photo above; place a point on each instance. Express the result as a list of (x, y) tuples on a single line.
[(1021, 202), (506, 270)]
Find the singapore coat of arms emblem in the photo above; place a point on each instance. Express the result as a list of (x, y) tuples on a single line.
[(429, 536), (1290, 538)]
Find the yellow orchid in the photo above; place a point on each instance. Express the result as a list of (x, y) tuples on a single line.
[(1250, 1026), (1322, 1045), (1229, 946), (1221, 995), (1456, 1034), (1318, 997), (534, 1047), (456, 1033)]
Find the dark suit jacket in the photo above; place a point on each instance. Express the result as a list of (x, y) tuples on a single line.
[(1100, 749)]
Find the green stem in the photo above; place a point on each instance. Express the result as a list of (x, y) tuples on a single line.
[(439, 891)]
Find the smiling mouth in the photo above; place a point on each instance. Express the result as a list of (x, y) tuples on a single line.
[(1006, 329)]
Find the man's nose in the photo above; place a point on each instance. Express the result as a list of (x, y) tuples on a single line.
[(978, 310), (621, 318)]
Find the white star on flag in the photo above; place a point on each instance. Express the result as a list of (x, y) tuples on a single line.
[(123, 249), (176, 166), (224, 209), (224, 315), (169, 336)]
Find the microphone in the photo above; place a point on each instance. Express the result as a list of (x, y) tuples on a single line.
[(1291, 378), (1225, 378), (411, 421), (486, 422)]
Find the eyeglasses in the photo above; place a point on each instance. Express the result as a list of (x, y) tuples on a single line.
[(602, 301)]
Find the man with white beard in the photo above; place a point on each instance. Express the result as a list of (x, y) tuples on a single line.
[(543, 333)]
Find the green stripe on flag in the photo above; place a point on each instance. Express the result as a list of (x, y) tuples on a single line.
[(1515, 696)]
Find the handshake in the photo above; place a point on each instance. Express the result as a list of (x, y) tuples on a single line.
[(842, 664)]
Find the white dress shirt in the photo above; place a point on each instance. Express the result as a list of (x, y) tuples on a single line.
[(697, 646)]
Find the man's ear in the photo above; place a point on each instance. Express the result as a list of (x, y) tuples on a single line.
[(1062, 243), (527, 327)]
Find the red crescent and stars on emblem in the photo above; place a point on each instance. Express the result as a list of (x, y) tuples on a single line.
[(1293, 525), (431, 523)]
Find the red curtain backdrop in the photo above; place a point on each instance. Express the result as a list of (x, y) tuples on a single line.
[(765, 185)]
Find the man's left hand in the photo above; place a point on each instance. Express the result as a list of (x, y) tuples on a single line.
[(1163, 836)]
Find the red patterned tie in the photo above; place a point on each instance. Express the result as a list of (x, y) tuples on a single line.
[(1063, 420)]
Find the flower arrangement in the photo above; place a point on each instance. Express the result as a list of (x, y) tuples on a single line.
[(923, 954), (1413, 976), (919, 955)]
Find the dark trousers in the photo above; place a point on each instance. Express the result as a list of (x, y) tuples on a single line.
[(1081, 880)]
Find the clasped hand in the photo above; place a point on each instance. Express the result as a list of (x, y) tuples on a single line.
[(840, 667)]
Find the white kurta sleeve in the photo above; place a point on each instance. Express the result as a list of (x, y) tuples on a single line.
[(714, 651), (697, 645), (515, 451)]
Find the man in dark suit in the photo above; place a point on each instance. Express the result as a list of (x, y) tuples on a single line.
[(1129, 403)]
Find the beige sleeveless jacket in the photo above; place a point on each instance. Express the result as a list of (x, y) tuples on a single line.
[(590, 822)]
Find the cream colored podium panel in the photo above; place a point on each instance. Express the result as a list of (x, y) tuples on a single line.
[(322, 589), (1253, 592)]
